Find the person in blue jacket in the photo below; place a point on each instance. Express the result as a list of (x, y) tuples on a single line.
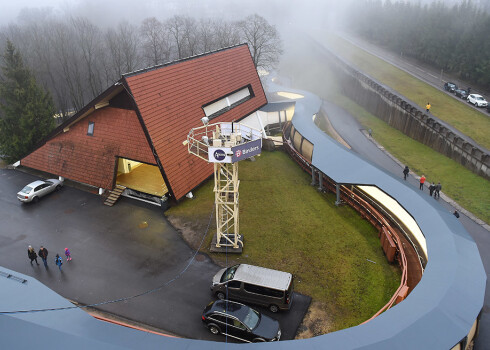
[(58, 261)]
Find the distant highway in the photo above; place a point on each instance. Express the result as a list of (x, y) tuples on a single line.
[(419, 70)]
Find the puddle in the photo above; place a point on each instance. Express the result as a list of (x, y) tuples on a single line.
[(143, 224), (200, 257)]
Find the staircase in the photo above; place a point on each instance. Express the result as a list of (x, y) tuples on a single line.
[(114, 195)]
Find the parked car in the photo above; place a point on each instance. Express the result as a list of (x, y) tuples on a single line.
[(451, 87), (461, 93), (256, 285), (477, 100), (240, 322), (38, 189)]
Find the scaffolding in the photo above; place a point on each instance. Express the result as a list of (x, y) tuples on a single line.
[(225, 144)]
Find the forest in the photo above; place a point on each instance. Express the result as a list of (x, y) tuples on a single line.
[(454, 39), (75, 59)]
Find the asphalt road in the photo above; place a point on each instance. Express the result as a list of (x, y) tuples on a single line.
[(117, 252), (351, 131), (419, 70)]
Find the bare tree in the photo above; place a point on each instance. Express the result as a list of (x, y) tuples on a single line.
[(115, 57), (226, 34), (152, 34), (176, 27), (191, 36), (68, 57), (128, 37), (263, 40), (88, 39), (206, 33)]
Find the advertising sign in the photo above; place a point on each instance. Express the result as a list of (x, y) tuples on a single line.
[(219, 154), (246, 150)]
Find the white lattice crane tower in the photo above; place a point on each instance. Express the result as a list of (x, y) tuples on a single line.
[(225, 144)]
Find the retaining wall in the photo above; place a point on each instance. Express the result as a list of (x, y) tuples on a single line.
[(410, 119)]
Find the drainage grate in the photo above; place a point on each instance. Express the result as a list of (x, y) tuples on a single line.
[(12, 277)]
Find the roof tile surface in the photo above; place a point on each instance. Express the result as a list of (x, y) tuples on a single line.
[(170, 101)]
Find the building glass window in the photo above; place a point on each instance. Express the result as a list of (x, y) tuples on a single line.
[(224, 104), (90, 131)]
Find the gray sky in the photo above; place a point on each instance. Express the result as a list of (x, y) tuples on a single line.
[(100, 11), (297, 12)]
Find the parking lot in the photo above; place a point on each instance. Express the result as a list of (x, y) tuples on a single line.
[(117, 252)]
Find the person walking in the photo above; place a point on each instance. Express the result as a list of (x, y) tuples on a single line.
[(432, 187), (58, 261), (405, 172), (43, 253), (427, 107), (67, 254), (422, 181), (370, 133), (437, 190), (31, 253), (456, 214)]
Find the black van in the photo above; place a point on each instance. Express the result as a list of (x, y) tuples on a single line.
[(255, 285)]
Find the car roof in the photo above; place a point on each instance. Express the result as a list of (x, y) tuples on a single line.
[(262, 276), (231, 308), (35, 183)]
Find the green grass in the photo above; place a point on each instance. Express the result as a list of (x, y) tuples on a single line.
[(308, 71), (464, 118), (288, 225), (465, 187)]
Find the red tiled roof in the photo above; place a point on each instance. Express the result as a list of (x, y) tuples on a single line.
[(170, 100)]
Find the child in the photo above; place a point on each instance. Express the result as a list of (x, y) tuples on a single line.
[(58, 261), (67, 254)]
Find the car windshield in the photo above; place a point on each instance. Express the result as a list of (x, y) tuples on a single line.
[(252, 319), (229, 273), (479, 98), (26, 189)]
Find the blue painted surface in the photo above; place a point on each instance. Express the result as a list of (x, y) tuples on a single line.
[(436, 315)]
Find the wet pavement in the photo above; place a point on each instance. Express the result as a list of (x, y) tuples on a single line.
[(117, 252)]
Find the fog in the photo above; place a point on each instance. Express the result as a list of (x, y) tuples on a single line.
[(93, 42), (110, 12)]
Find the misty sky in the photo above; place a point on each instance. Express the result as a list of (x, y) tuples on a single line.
[(101, 11), (299, 13)]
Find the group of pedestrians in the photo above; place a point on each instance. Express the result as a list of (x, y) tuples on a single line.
[(433, 188), (43, 254)]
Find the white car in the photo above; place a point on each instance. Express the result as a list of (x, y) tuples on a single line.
[(477, 100), (38, 189)]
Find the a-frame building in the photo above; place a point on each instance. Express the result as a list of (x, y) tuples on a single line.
[(140, 122)]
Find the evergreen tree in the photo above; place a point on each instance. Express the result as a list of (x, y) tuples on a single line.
[(26, 109)]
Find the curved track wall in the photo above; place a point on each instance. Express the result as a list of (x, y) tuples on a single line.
[(409, 118), (443, 308)]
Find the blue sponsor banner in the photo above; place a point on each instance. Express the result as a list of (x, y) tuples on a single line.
[(246, 150)]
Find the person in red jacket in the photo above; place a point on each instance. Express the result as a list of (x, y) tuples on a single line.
[(422, 180)]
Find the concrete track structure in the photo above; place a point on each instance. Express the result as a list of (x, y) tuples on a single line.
[(441, 312)]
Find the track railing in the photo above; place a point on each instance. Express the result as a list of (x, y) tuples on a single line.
[(368, 212)]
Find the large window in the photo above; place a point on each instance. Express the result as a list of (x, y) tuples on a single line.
[(224, 104)]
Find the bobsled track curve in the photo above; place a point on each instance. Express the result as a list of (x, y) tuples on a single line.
[(441, 312)]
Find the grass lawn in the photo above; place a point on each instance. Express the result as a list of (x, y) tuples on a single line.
[(465, 187), (308, 71), (464, 118), (288, 225)]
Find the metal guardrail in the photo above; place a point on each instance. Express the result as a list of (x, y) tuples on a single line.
[(368, 212)]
